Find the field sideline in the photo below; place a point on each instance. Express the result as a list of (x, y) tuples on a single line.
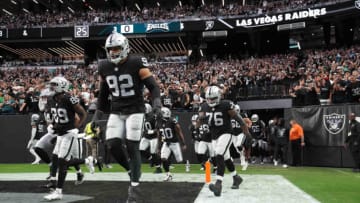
[(324, 184)]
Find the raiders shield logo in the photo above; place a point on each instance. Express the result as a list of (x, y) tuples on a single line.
[(209, 25), (357, 4), (334, 123)]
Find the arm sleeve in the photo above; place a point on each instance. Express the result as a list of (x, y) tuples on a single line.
[(151, 84), (103, 103)]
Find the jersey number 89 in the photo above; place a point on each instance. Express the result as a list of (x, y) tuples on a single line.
[(121, 86)]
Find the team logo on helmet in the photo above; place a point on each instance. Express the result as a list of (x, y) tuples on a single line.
[(357, 4), (334, 123), (209, 25)]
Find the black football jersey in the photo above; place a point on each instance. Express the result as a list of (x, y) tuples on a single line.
[(195, 134), (167, 130), (257, 129), (166, 101), (236, 127), (63, 113), (41, 127), (218, 117), (205, 133), (149, 124), (124, 84)]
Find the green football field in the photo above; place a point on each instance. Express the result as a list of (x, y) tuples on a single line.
[(336, 185)]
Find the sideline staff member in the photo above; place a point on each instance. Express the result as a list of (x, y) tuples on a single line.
[(297, 141)]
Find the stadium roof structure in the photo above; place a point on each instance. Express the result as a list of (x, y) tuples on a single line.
[(16, 6)]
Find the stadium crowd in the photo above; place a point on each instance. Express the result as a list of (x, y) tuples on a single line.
[(310, 77), (60, 18)]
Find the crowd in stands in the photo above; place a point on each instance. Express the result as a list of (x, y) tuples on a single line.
[(58, 18), (310, 77)]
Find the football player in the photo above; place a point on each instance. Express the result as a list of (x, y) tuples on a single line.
[(63, 109), (239, 139), (259, 145), (123, 76), (47, 142), (205, 145), (171, 137), (150, 139), (217, 114), (195, 137), (38, 129)]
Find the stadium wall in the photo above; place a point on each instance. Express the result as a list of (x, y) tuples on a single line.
[(322, 147)]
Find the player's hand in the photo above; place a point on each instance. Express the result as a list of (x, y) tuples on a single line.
[(303, 144), (184, 147), (50, 129)]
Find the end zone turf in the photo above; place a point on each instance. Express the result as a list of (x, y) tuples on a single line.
[(112, 187)]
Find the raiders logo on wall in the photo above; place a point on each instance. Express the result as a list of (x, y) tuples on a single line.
[(334, 123), (357, 4)]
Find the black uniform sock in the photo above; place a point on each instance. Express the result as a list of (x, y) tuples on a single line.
[(145, 154), (156, 160), (230, 165), (54, 165), (166, 165), (220, 165), (119, 153), (76, 163), (42, 154), (213, 161), (199, 158), (135, 159), (62, 173)]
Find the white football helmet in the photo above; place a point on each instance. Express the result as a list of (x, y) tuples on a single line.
[(213, 95), (44, 94), (59, 84), (194, 119), (237, 108), (148, 108), (165, 112), (35, 117), (118, 40), (254, 118)]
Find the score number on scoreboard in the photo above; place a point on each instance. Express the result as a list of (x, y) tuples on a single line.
[(125, 29), (81, 31)]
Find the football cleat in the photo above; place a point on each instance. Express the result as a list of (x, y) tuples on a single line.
[(276, 162), (245, 166), (54, 195), (133, 194), (216, 188), (168, 178), (284, 165), (50, 185), (90, 164), (237, 180), (79, 178)]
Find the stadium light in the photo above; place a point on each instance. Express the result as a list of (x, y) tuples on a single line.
[(158, 4), (201, 53), (137, 6), (61, 1), (7, 12), (25, 10), (180, 4), (70, 9), (223, 2), (203, 2), (35, 1), (14, 2)]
